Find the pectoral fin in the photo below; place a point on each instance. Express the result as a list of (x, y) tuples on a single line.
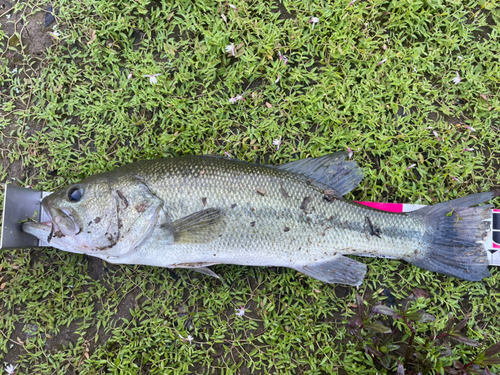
[(339, 270), (199, 227)]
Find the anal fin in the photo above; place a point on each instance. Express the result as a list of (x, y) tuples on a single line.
[(201, 267), (339, 270)]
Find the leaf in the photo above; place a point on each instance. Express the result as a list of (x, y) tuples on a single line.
[(269, 105), (370, 349), (464, 340), (2, 287), (378, 327), (484, 97), (384, 310), (460, 325), (92, 37), (417, 291), (360, 308), (491, 361), (425, 318), (492, 350), (172, 14)]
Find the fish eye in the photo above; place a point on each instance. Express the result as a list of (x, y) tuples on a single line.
[(75, 193)]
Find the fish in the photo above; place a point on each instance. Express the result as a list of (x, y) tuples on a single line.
[(194, 212)]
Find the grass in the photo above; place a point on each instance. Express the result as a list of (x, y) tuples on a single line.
[(71, 111)]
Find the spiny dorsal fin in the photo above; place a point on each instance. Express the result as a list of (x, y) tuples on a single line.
[(199, 227), (330, 170)]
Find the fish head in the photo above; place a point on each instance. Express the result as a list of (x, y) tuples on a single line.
[(82, 217), (101, 216)]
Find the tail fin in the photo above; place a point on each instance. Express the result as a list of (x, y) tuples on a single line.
[(455, 248)]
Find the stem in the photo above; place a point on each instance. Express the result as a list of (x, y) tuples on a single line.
[(408, 348), (408, 325)]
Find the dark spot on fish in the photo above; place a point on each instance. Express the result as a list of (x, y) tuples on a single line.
[(287, 229), (283, 191), (416, 251), (204, 201), (332, 217), (51, 232), (261, 192), (252, 224), (89, 232), (305, 202), (252, 209), (329, 195), (233, 205), (141, 207), (120, 224), (371, 228), (309, 182), (80, 231), (59, 234), (122, 197), (90, 223), (97, 219)]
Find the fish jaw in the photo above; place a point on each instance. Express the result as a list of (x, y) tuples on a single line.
[(49, 231)]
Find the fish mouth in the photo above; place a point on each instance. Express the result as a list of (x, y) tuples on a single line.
[(62, 224)]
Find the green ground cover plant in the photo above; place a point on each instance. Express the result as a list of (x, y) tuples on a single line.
[(410, 87)]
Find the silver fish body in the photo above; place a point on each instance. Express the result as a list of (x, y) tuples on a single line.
[(193, 212)]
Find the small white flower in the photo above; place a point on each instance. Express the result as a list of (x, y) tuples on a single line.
[(383, 61), (55, 34), (230, 48), (470, 128), (468, 149), (411, 166), (314, 21), (415, 70), (461, 58), (240, 311), (236, 98), (457, 79), (456, 179), (14, 70), (10, 369), (351, 153), (129, 76), (227, 154), (8, 16), (277, 142), (233, 6), (223, 17), (283, 57), (152, 78), (352, 2), (436, 134), (277, 79), (189, 338)]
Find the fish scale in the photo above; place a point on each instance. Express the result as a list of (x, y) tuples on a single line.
[(196, 211)]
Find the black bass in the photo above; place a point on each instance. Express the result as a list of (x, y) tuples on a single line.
[(198, 211)]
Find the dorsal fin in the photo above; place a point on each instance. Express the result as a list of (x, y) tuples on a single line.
[(330, 170)]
